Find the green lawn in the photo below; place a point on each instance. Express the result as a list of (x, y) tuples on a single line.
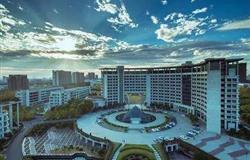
[(105, 123), (140, 150)]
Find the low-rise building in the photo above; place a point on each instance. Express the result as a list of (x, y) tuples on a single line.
[(97, 101), (61, 97), (36, 96)]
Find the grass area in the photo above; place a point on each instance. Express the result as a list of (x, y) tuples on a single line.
[(110, 155), (138, 150), (167, 119), (2, 157), (159, 148), (105, 123), (245, 104), (243, 133)]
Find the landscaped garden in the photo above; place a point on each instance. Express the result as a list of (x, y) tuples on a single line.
[(106, 124), (136, 152)]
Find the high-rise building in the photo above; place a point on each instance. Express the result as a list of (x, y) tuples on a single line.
[(91, 76), (243, 72), (18, 82), (61, 77), (78, 77), (209, 90)]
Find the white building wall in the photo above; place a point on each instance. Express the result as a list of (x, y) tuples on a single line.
[(214, 101), (148, 89)]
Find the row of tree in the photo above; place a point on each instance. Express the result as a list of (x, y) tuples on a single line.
[(74, 108), (245, 104)]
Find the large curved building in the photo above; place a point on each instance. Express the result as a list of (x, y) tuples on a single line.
[(208, 89)]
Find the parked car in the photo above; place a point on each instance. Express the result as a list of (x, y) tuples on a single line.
[(183, 137)]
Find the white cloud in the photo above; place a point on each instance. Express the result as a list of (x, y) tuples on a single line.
[(147, 13), (154, 19), (164, 2), (55, 11), (233, 25), (7, 21), (20, 8), (178, 26), (105, 6), (193, 1), (201, 10), (213, 21), (120, 16)]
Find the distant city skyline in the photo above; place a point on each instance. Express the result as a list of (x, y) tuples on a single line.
[(85, 35)]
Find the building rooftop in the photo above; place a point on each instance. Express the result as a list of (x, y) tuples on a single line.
[(189, 64)]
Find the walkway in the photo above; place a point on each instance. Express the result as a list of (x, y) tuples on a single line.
[(84, 122), (117, 152), (222, 146), (157, 156)]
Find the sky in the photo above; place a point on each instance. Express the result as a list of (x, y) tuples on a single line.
[(37, 36)]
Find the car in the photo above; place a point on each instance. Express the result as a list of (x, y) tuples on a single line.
[(172, 123), (183, 137), (189, 135), (161, 138), (192, 133), (195, 131)]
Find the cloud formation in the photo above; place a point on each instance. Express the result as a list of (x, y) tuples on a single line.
[(233, 25), (178, 26), (154, 19), (120, 16)]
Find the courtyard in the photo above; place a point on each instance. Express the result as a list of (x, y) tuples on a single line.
[(135, 133)]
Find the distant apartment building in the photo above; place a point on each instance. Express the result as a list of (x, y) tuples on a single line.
[(61, 97), (91, 76), (209, 89), (18, 82), (7, 117), (61, 78), (78, 77), (5, 79), (36, 96)]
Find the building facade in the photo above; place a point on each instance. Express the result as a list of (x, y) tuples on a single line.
[(91, 76), (7, 117), (61, 97), (18, 82), (78, 77), (208, 89), (36, 96), (61, 77)]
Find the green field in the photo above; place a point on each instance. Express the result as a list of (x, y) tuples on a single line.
[(136, 150)]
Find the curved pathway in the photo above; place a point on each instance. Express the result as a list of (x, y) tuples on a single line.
[(160, 118), (89, 125)]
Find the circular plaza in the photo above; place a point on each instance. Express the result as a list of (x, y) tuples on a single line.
[(135, 129)]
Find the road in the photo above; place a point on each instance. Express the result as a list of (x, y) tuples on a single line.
[(14, 150)]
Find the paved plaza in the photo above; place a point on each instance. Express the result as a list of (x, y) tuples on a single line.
[(133, 136), (221, 146)]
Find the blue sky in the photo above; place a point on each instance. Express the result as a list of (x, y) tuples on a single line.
[(83, 35)]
